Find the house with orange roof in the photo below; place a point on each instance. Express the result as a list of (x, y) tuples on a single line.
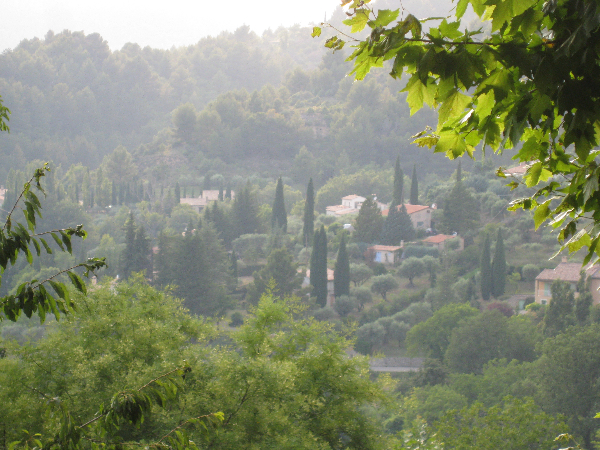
[(420, 215), (569, 272), (440, 241), (350, 205), (207, 196), (385, 254)]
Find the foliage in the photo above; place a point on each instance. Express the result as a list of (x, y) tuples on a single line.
[(499, 267), (397, 226), (318, 267), (432, 337), (486, 270), (33, 296), (344, 305), (308, 224), (531, 79), (513, 423), (382, 284), (359, 273), (530, 271), (368, 222), (280, 277), (411, 268), (414, 187), (560, 310), (341, 277), (398, 193), (279, 217)]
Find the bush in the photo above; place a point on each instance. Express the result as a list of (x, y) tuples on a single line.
[(502, 307), (379, 269), (344, 305), (418, 251), (362, 295), (237, 319), (530, 271), (324, 314)]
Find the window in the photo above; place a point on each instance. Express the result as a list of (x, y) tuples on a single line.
[(547, 286)]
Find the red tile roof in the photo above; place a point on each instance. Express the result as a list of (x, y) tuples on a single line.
[(438, 238), (384, 248), (567, 272), (410, 209)]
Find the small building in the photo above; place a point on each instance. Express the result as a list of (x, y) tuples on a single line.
[(385, 254), (420, 215), (351, 204), (207, 196), (330, 290), (441, 241), (569, 272)]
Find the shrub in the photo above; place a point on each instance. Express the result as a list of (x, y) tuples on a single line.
[(237, 319)]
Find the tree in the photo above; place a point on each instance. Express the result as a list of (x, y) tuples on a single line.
[(368, 222), (584, 301), (432, 337), (398, 195), (245, 213), (359, 273), (382, 284), (49, 295), (318, 267), (486, 270), (532, 79), (341, 277), (177, 193), (411, 267), (460, 210), (414, 187), (560, 310), (280, 276), (397, 226), (499, 267), (308, 227), (279, 215)]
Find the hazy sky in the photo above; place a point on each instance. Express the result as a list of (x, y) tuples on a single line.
[(159, 24)]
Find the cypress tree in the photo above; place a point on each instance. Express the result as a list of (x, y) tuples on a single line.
[(486, 270), (177, 193), (414, 187), (234, 267), (398, 197), (185, 192), (206, 183), (368, 222), (397, 227), (220, 192), (141, 252), (499, 267), (228, 192), (308, 229), (341, 280), (279, 215), (318, 267)]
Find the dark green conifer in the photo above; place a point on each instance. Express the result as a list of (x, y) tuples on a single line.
[(397, 227), (486, 270), (279, 214), (221, 192), (318, 267), (308, 228), (368, 222), (499, 267), (234, 266), (341, 280), (128, 257), (228, 192), (414, 187), (398, 197)]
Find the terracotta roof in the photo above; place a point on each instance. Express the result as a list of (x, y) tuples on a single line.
[(438, 238), (384, 248), (410, 209), (567, 272), (517, 170), (352, 197), (340, 210)]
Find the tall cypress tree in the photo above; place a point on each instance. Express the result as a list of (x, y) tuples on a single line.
[(398, 197), (368, 222), (308, 229), (228, 192), (318, 267), (414, 187), (486, 270), (128, 258), (279, 215), (220, 192), (499, 267), (341, 280), (141, 252), (397, 227)]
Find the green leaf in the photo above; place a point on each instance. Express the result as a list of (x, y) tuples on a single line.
[(77, 282), (384, 18), (535, 174), (57, 240), (46, 246), (419, 93), (358, 21), (451, 143), (506, 10), (316, 32), (461, 8), (542, 212), (453, 106)]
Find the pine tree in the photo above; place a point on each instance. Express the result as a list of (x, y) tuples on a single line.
[(341, 280), (486, 270), (279, 214), (308, 228), (398, 197), (414, 187), (499, 267), (177, 193), (368, 222), (318, 267)]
